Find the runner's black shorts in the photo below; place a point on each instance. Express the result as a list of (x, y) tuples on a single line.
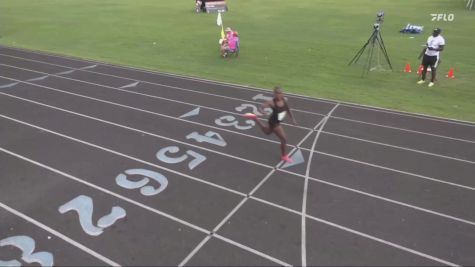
[(431, 61)]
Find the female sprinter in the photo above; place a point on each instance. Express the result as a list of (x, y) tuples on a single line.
[(279, 110)]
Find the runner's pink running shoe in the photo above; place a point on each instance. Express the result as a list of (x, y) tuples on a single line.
[(250, 116), (286, 159)]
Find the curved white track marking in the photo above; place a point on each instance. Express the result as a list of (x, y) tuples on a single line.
[(8, 85), (244, 200), (346, 229), (305, 189)]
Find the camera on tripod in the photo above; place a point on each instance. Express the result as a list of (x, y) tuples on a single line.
[(376, 48), (380, 16)]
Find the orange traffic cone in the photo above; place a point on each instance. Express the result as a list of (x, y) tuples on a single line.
[(450, 74), (419, 70), (407, 68)]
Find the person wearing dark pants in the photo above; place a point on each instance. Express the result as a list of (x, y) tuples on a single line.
[(431, 55)]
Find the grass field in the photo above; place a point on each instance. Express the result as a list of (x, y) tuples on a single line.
[(304, 45)]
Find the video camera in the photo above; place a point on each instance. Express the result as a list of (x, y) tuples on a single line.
[(380, 16), (379, 20)]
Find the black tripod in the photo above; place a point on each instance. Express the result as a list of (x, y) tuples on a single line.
[(375, 40)]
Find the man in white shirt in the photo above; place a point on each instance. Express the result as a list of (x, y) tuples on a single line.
[(431, 52)]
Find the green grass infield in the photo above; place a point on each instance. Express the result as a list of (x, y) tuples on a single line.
[(303, 45)]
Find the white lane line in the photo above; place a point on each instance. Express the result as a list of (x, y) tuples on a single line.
[(145, 82), (277, 261), (226, 218), (104, 190), (412, 114), (138, 130), (146, 111), (60, 235), (398, 171), (126, 156), (412, 251), (346, 229), (304, 97), (156, 211), (159, 114), (246, 87), (297, 110), (131, 85), (305, 189), (399, 147), (331, 155), (382, 198), (197, 92), (198, 247), (210, 108), (406, 130), (133, 202), (59, 73), (335, 185), (38, 78), (8, 85), (134, 92), (244, 200), (358, 233), (88, 67), (162, 115)]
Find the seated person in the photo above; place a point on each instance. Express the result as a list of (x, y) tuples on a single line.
[(232, 43), (236, 35), (200, 6), (224, 47), (229, 45), (229, 32)]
